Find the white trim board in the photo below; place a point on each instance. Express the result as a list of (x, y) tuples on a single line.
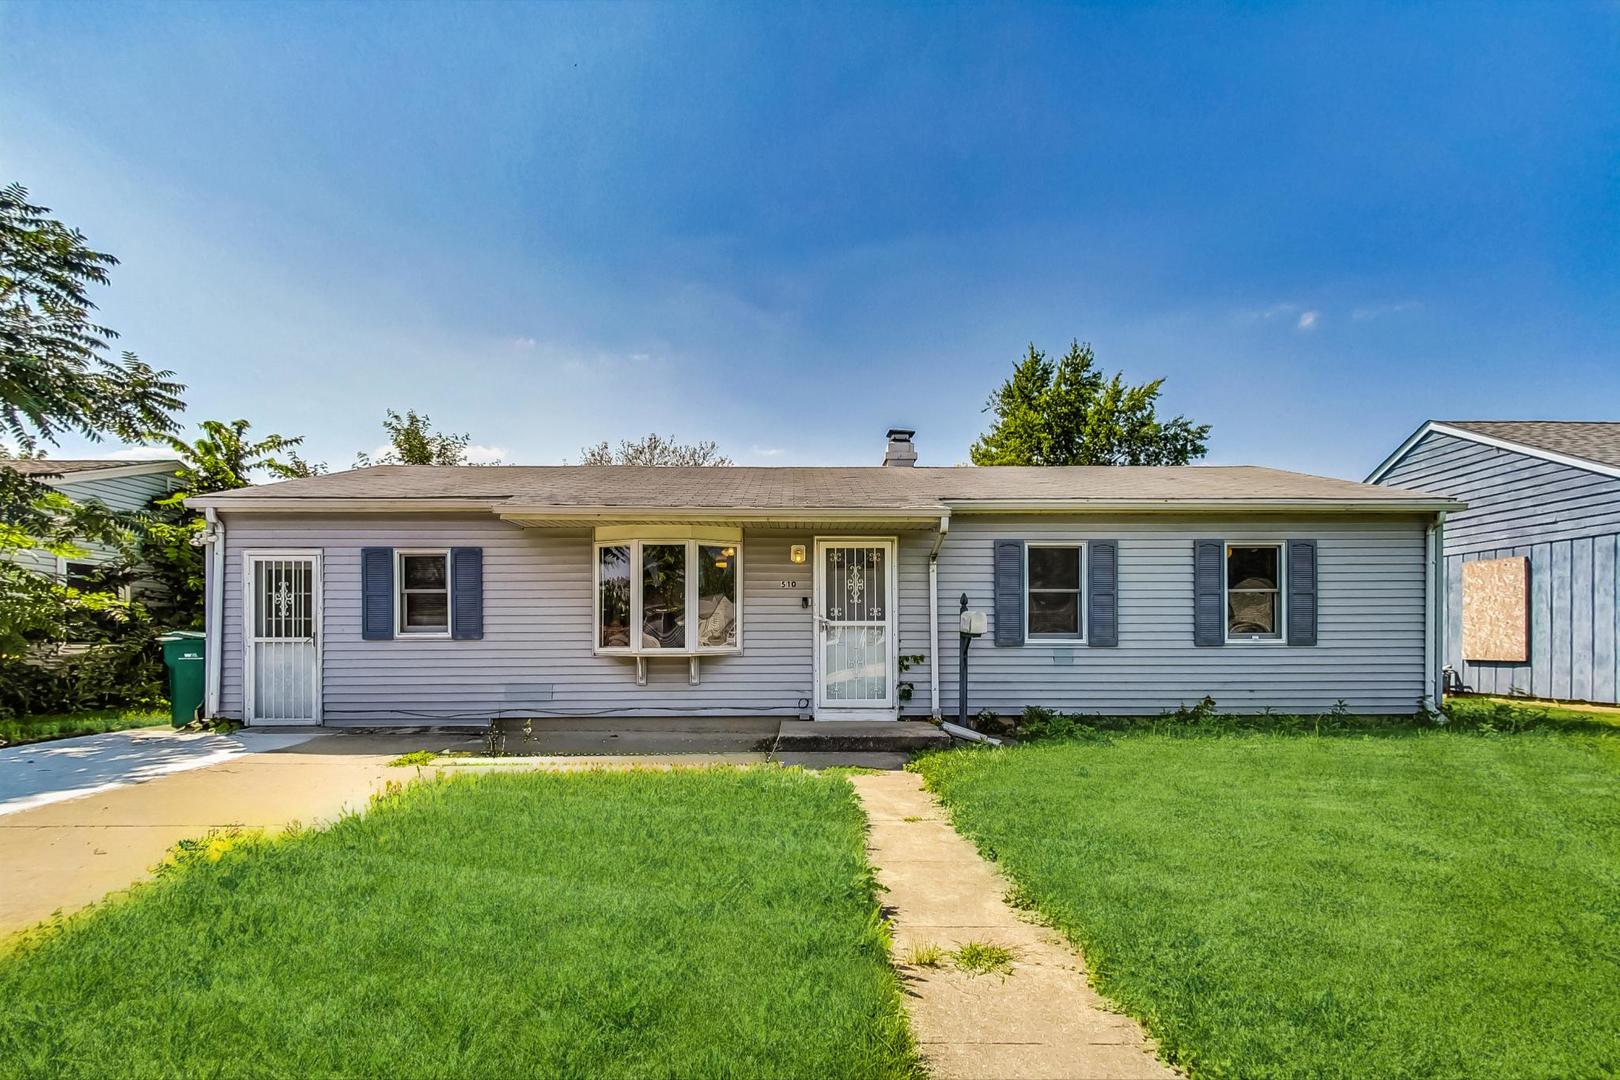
[(1485, 440)]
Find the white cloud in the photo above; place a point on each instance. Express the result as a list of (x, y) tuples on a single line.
[(126, 453), (1307, 321), (1375, 311), (524, 343), (766, 451), (485, 455), (1267, 314), (132, 453)]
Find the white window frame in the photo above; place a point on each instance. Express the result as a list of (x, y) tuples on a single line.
[(1080, 594), (400, 630), (1281, 637), (123, 592), (635, 544)]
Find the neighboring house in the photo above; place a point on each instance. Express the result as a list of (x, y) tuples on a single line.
[(1531, 580), (433, 595), (116, 484)]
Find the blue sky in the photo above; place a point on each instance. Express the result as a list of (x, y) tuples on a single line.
[(787, 229)]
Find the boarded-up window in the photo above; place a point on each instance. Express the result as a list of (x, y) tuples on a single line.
[(1496, 611)]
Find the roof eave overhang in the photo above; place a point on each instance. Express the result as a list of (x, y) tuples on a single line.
[(554, 516), (1184, 506), (339, 505), (111, 472)]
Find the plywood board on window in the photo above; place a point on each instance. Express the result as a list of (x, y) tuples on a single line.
[(1496, 610)]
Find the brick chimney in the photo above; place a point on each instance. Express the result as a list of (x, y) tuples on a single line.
[(900, 450)]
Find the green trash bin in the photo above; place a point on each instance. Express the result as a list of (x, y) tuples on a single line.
[(183, 655)]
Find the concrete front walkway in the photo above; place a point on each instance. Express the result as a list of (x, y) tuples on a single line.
[(108, 824), (1041, 1020)]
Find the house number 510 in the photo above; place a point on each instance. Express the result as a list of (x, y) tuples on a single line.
[(788, 585)]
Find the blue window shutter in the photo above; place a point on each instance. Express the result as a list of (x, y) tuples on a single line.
[(467, 593), (1102, 594), (1209, 588), (1009, 591), (376, 593), (1302, 592)]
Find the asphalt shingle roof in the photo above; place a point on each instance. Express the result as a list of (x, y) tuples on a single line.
[(1593, 440), (871, 488), (67, 466)]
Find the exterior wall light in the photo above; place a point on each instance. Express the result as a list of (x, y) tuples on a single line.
[(796, 553)]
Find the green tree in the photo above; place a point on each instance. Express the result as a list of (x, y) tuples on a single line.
[(654, 449), (1069, 413), (56, 377), (412, 441), (223, 457)]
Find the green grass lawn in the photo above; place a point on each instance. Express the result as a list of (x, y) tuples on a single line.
[(1403, 904), (1474, 706), (675, 923), (43, 726)]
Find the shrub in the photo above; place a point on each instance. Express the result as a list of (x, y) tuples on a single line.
[(128, 672)]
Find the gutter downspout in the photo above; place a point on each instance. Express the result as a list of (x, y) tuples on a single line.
[(213, 609), (1436, 602), (933, 615)]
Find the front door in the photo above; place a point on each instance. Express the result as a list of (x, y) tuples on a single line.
[(282, 670), (855, 646)]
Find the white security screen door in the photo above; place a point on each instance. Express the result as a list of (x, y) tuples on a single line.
[(282, 673), (855, 648)]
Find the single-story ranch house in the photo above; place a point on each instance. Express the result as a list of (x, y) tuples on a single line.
[(442, 595)]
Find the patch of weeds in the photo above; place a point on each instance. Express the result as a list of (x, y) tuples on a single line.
[(912, 817), (924, 954), (982, 958), (219, 725), (494, 740), (415, 757), (1018, 898), (207, 848), (391, 794), (1478, 716)]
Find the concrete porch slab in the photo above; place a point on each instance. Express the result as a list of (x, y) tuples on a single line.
[(891, 736)]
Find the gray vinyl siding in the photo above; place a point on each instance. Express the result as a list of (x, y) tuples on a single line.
[(1566, 521), (535, 656), (1370, 622), (119, 492), (122, 493)]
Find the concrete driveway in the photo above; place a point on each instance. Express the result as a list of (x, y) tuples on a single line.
[(42, 773), (80, 818)]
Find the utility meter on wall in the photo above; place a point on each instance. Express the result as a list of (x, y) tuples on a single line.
[(974, 623)]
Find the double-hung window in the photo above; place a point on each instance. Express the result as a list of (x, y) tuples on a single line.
[(669, 596), (1254, 596), (422, 605), (79, 575), (1054, 581)]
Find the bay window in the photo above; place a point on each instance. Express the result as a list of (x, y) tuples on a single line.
[(671, 596)]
